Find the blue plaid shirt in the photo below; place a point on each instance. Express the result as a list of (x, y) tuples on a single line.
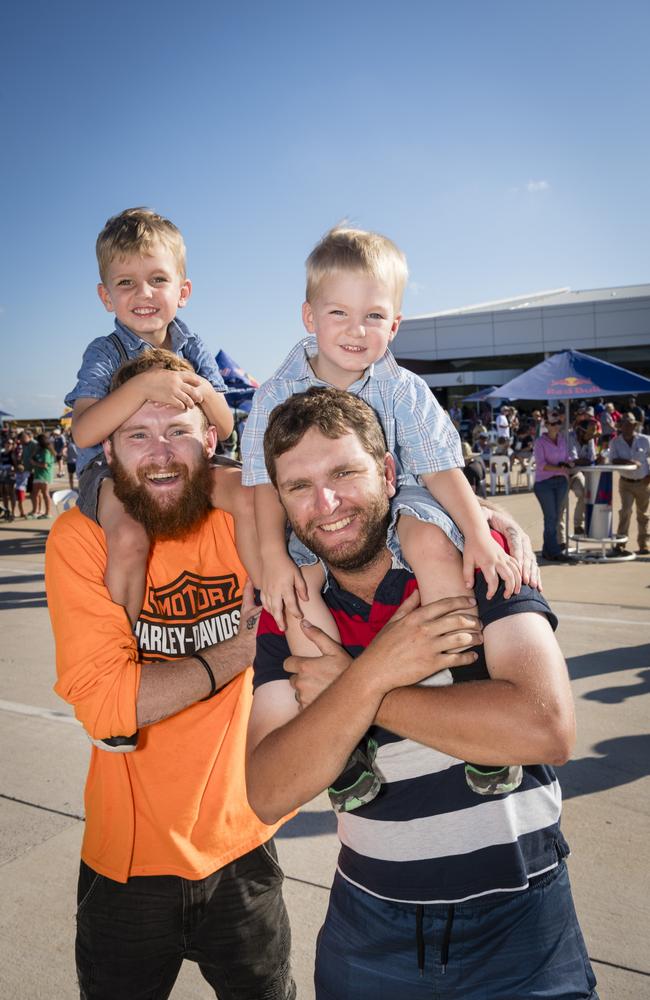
[(102, 359), (418, 431)]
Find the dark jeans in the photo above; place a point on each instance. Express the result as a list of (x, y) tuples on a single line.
[(552, 494), (132, 937), (526, 945)]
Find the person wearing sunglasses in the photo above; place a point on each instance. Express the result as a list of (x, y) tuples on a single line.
[(552, 468)]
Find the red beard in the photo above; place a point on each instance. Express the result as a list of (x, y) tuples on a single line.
[(174, 518)]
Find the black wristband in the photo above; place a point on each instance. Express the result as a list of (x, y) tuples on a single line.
[(208, 669)]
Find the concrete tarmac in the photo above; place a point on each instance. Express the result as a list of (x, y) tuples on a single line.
[(604, 632)]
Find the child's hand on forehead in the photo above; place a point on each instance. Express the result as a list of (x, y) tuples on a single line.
[(173, 388)]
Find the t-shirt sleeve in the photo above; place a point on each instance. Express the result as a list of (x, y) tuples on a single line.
[(499, 606), (99, 362), (205, 364), (271, 652), (427, 441), (96, 653)]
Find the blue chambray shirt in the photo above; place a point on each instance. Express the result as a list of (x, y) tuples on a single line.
[(102, 358), (419, 433)]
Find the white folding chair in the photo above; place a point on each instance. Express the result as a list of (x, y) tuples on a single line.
[(499, 469), (525, 467), (530, 472)]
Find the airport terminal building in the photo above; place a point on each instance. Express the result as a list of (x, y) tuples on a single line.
[(461, 350)]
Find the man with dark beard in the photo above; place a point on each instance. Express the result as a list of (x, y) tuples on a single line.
[(440, 889), (174, 862)]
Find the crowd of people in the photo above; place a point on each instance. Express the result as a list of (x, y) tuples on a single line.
[(536, 442), (29, 463)]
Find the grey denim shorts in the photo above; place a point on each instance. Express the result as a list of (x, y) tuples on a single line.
[(90, 482)]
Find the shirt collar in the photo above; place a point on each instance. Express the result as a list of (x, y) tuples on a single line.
[(388, 590), (297, 367), (178, 334)]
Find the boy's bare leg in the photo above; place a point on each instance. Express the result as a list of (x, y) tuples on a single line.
[(315, 611), (433, 557), (436, 562), (228, 494), (128, 549), (438, 567)]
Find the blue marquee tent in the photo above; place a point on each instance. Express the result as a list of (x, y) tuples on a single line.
[(488, 392), (572, 375)]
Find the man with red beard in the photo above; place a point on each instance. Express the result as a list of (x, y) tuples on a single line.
[(174, 862)]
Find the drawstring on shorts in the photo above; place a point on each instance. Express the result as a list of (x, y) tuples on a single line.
[(419, 937), (446, 938)]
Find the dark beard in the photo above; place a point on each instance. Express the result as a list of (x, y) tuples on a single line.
[(371, 541), (164, 521)]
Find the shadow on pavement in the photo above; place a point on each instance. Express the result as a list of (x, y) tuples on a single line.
[(6, 580), (16, 599), (620, 761), (308, 824), (608, 661), (616, 695), (26, 544)]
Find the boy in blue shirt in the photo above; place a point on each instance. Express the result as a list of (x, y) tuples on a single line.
[(355, 283), (141, 258)]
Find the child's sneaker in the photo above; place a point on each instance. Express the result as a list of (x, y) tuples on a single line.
[(117, 744), (359, 783), (485, 779)]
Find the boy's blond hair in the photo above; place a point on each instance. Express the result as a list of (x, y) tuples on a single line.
[(347, 249), (137, 230)]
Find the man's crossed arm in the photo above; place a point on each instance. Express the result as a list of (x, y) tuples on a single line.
[(98, 665), (168, 686), (524, 714)]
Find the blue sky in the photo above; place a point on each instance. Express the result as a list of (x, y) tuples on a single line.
[(504, 146)]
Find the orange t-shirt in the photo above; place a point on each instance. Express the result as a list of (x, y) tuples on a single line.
[(176, 805)]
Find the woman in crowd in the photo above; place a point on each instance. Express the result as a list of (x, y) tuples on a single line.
[(43, 468), (552, 465)]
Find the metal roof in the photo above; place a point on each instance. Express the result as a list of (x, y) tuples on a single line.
[(555, 297)]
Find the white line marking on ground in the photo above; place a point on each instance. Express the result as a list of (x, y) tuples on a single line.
[(7, 570), (42, 713), (603, 621)]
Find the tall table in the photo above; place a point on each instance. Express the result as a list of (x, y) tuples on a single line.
[(599, 529)]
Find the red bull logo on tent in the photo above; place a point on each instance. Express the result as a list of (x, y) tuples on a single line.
[(570, 386)]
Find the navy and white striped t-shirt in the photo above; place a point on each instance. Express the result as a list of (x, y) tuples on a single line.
[(427, 837)]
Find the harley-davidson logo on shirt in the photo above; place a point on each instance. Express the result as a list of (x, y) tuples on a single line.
[(188, 614)]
